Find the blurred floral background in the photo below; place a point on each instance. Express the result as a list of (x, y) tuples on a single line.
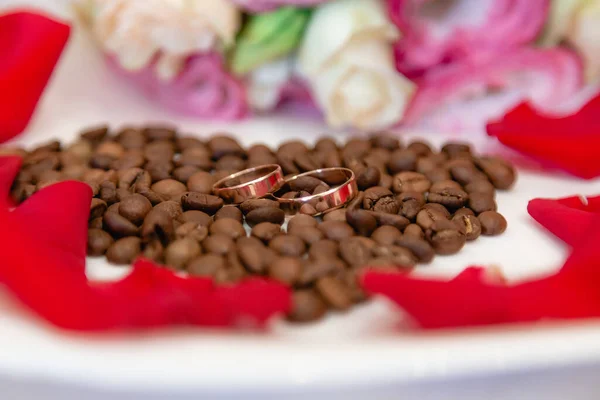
[(362, 64)]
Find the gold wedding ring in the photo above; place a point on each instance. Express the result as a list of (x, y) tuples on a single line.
[(251, 183)]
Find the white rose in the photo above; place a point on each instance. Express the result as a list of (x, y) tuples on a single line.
[(347, 58), (265, 83), (136, 31)]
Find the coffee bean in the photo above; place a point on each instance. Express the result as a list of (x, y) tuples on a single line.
[(437, 175), (202, 202), (454, 149), (469, 225), (464, 171), (304, 183), (265, 214), (218, 244), (230, 212), (386, 235), (170, 207), (158, 225), (206, 265), (402, 160), (426, 164), (154, 250), (119, 226), (492, 223), (229, 227), (325, 248), (420, 248), (252, 257), (368, 177), (131, 138), (427, 217), (307, 209), (95, 134), (481, 186), (253, 204), (410, 204), (97, 208), (421, 149), (181, 251), (286, 270), (135, 208), (113, 208), (98, 242), (335, 215), (159, 132), (230, 163), (266, 231), (223, 145), (108, 192), (336, 230), (159, 150), (356, 251), (410, 182), (381, 200), (124, 251), (196, 216), (445, 184), (305, 161), (317, 268), (445, 237), (201, 182), (322, 188), (437, 208), (134, 177), (396, 255), (301, 220), (363, 222), (110, 149), (307, 305), (288, 245), (198, 157), (481, 202), (183, 174), (95, 223), (192, 230), (386, 181), (334, 292), (397, 221), (169, 188), (102, 161), (463, 211), (501, 173), (449, 197), (332, 159), (309, 234)]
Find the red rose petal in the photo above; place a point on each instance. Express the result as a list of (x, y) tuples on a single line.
[(30, 46)]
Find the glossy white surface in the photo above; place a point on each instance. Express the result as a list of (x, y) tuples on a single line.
[(358, 353)]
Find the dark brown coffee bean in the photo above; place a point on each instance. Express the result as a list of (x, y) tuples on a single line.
[(131, 159), (135, 208), (331, 159), (305, 183), (335, 215), (426, 164), (229, 227), (206, 265), (102, 161), (396, 255), (188, 142), (230, 163), (201, 182), (501, 173), (463, 211), (317, 268), (286, 270), (160, 170), (198, 157), (134, 177), (427, 217), (266, 231), (492, 223), (437, 208), (356, 251), (124, 251), (265, 214), (325, 248), (305, 161), (454, 149), (386, 235), (481, 202), (97, 208), (410, 204), (336, 230), (224, 145), (119, 226), (381, 200), (325, 144), (368, 177), (464, 171), (108, 192), (386, 141), (183, 174), (192, 230), (196, 216), (131, 138), (449, 197), (218, 244), (181, 251), (420, 248), (438, 174), (421, 149), (445, 237), (402, 160), (307, 305), (335, 293), (95, 223), (309, 234), (159, 132), (397, 221), (469, 225), (172, 208), (154, 250), (307, 209), (95, 134), (446, 184), (252, 257), (98, 242), (169, 188), (202, 202), (300, 220), (386, 181), (410, 182), (363, 222), (159, 150), (288, 245), (414, 230), (111, 149), (158, 225), (481, 186), (321, 189), (253, 204), (230, 212)]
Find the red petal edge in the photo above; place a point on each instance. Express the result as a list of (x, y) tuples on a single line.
[(45, 268)]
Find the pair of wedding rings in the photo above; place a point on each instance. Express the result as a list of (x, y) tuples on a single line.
[(269, 181)]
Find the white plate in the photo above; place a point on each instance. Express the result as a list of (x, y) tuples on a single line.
[(358, 354)]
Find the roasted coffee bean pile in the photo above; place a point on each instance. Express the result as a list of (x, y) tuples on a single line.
[(152, 198)]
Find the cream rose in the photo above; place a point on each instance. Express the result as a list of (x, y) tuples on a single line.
[(137, 31), (347, 58)]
